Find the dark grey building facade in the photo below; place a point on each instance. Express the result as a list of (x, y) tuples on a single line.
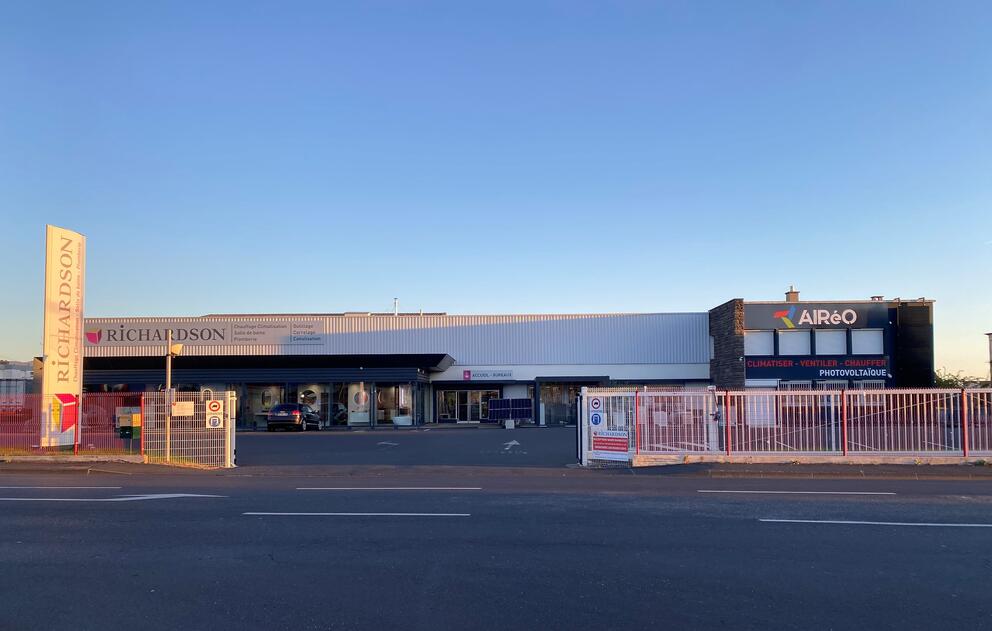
[(875, 343)]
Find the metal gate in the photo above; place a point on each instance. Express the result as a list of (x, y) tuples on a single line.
[(190, 428), (606, 416)]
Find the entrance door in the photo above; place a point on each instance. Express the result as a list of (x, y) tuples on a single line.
[(560, 403), (462, 398)]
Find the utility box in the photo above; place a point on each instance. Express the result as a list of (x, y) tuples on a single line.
[(128, 422)]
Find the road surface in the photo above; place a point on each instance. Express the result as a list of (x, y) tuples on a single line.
[(447, 547)]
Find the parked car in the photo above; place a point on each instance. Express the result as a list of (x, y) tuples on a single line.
[(298, 416)]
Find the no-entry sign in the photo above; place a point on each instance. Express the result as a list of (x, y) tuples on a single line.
[(215, 414)]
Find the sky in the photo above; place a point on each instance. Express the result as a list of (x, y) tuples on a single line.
[(500, 157)]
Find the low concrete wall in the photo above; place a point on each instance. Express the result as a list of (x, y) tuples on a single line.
[(661, 460), (138, 459)]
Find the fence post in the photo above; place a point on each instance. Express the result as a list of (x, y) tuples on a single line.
[(227, 435), (583, 430), (168, 425), (843, 419), (232, 419), (964, 422), (637, 419), (144, 425), (726, 419), (79, 424)]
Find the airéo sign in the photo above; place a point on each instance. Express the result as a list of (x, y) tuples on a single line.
[(808, 315)]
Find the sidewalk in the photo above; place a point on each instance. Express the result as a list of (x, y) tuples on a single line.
[(431, 427), (698, 470)]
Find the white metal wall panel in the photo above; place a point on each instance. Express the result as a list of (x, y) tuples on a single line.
[(654, 338)]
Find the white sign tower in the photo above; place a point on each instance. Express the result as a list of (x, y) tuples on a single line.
[(62, 342)]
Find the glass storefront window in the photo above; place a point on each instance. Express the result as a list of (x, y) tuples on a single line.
[(394, 404), (560, 403), (464, 406), (474, 402), (358, 403), (317, 396), (261, 399), (484, 397), (446, 401)]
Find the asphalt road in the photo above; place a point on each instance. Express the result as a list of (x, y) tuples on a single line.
[(490, 447), (497, 548)]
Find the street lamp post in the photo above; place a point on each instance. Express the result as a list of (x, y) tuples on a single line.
[(990, 358), (171, 350)]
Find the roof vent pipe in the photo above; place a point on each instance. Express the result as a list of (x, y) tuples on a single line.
[(396, 306)]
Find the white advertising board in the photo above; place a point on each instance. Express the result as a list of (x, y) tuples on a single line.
[(183, 408), (62, 377), (218, 332), (609, 440)]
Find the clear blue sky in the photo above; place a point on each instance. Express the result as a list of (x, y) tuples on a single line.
[(501, 157)]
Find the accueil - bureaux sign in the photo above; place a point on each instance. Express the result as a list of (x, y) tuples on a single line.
[(62, 377)]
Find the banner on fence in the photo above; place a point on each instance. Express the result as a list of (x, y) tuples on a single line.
[(607, 444)]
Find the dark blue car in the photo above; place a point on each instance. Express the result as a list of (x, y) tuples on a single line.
[(297, 416)]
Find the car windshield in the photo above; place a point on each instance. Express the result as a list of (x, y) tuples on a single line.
[(285, 407)]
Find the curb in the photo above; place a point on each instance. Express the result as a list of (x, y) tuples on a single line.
[(64, 460), (860, 475)]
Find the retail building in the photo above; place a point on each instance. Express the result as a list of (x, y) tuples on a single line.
[(361, 369), (374, 369)]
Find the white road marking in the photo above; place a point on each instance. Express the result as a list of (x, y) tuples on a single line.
[(389, 488), (799, 492), (512, 443), (872, 523), (59, 487), (388, 444), (360, 514), (121, 498)]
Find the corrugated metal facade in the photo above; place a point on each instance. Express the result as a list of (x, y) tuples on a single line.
[(653, 338)]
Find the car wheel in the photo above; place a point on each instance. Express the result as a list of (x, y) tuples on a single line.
[(303, 425)]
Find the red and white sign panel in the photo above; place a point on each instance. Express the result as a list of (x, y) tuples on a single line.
[(610, 444)]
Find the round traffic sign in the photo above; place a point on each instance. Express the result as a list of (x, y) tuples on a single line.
[(595, 418), (213, 407), (214, 421), (596, 403)]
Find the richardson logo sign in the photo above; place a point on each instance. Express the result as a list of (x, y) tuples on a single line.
[(143, 334), (206, 333), (813, 315), (62, 377)]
